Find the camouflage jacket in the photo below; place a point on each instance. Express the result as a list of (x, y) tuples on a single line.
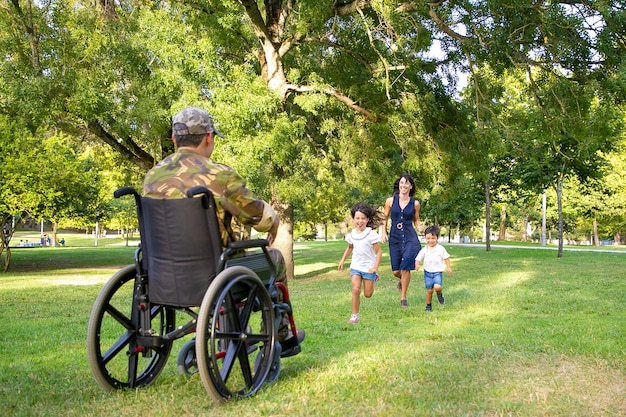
[(236, 206)]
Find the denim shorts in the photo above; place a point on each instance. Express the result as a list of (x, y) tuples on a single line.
[(364, 275), (432, 278)]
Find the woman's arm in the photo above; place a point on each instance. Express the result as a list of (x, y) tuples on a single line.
[(383, 225), (416, 218)]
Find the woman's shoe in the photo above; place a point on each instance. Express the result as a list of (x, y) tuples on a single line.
[(404, 304)]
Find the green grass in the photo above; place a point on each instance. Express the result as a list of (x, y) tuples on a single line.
[(522, 333)]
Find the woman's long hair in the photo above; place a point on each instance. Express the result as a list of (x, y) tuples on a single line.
[(396, 185)]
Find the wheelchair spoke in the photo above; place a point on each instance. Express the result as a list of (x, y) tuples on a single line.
[(117, 347), (119, 317), (246, 311)]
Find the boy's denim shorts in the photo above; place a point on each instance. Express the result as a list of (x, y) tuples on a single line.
[(364, 275), (432, 278)]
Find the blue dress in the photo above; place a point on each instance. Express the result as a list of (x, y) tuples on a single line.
[(404, 244)]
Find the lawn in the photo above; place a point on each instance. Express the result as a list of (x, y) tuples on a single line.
[(522, 333)]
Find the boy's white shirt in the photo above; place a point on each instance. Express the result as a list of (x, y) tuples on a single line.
[(363, 253), (432, 259)]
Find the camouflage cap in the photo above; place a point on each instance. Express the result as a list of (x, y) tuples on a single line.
[(193, 121)]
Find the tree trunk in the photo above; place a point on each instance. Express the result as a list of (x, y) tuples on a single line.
[(284, 240), (559, 199), (543, 218), (488, 215), (596, 235), (55, 230), (502, 233), (526, 222)]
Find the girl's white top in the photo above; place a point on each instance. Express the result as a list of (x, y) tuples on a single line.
[(432, 258), (363, 253)]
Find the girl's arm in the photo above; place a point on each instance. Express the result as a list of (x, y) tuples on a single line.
[(379, 255), (344, 257)]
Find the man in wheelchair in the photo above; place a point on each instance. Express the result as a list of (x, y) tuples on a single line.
[(193, 134)]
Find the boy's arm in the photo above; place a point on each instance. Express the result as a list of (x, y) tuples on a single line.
[(448, 266)]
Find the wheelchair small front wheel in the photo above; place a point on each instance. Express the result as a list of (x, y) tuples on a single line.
[(187, 362), (235, 335), (115, 359)]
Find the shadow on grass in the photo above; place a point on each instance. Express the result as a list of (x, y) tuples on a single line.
[(50, 259)]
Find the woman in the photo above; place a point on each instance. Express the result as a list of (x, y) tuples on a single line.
[(404, 244)]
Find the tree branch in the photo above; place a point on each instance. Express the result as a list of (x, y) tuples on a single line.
[(332, 92), (344, 9), (130, 152)]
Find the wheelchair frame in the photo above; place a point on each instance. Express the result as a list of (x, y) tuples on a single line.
[(235, 349)]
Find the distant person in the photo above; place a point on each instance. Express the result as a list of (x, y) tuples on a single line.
[(404, 243), (436, 260), (363, 243)]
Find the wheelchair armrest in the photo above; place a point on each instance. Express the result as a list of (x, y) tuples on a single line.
[(246, 244)]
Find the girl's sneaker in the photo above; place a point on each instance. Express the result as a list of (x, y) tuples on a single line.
[(354, 319)]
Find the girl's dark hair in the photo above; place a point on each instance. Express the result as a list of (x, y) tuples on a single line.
[(373, 216)]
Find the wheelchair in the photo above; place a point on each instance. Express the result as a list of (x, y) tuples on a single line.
[(229, 301)]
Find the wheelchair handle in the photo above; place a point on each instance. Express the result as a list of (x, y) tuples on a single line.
[(120, 192), (198, 189)]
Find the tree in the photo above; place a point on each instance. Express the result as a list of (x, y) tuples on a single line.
[(295, 85)]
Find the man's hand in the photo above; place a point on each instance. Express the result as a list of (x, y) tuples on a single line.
[(273, 232)]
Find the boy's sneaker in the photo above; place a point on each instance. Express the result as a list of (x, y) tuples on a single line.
[(440, 298), (377, 278), (428, 307), (354, 319)]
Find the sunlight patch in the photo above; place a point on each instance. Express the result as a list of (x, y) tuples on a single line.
[(79, 280), (304, 269)]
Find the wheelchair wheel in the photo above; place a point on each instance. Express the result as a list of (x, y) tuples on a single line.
[(235, 335), (274, 372), (115, 359), (187, 363)]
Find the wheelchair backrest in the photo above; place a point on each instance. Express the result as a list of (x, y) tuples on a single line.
[(181, 246)]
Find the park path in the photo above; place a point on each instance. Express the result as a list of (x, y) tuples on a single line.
[(583, 249)]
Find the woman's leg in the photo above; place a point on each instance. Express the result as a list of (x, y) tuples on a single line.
[(405, 279)]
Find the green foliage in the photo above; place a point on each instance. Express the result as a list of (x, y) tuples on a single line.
[(323, 104)]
